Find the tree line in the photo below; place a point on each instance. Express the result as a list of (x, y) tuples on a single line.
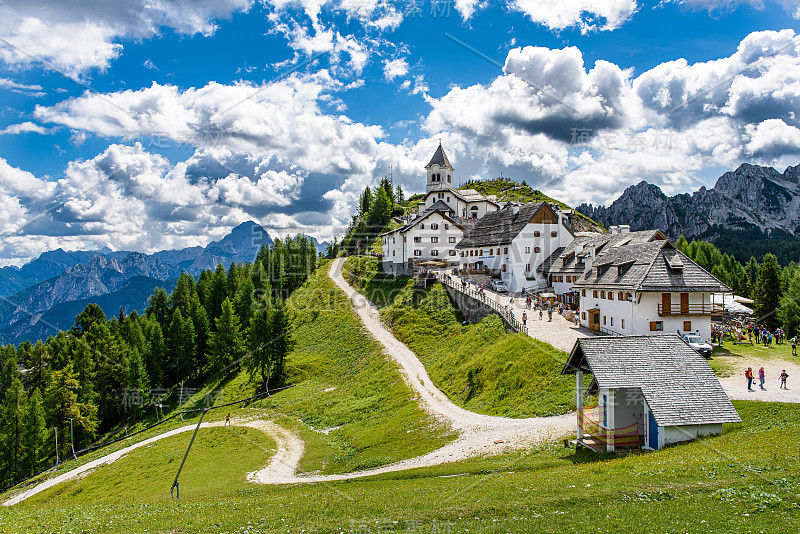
[(774, 288), (104, 373), (375, 209)]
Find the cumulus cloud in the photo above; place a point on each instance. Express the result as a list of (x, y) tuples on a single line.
[(721, 6), (586, 15), (24, 127), (395, 68), (74, 38)]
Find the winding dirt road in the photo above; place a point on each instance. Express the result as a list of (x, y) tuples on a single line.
[(478, 434)]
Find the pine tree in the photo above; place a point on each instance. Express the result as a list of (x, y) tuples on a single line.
[(13, 413), (243, 303), (226, 345), (259, 361), (136, 382), (61, 404), (399, 196), (365, 203), (34, 435), (158, 307), (767, 293), (281, 343), (156, 351), (202, 330), (381, 211)]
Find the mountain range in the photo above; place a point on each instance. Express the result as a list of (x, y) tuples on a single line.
[(749, 212), (46, 294)]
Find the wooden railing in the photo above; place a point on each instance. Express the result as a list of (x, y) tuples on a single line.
[(689, 309), (627, 436)]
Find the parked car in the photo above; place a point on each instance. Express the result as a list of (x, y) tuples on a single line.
[(697, 343), (499, 286)]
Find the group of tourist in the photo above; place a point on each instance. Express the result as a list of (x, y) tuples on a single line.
[(762, 378), (752, 333)]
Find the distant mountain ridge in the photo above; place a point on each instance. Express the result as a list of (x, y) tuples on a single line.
[(87, 276), (748, 211)]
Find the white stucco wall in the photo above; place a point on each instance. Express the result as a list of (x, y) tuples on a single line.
[(641, 310)]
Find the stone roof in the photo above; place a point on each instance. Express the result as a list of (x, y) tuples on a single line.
[(678, 384), (439, 158), (440, 205), (547, 264), (568, 262), (467, 195), (499, 227), (649, 266)]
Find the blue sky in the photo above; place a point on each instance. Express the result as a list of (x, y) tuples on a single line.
[(141, 127)]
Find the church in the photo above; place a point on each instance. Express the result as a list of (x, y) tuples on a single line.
[(444, 215)]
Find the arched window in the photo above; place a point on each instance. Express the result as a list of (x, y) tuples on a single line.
[(449, 179)]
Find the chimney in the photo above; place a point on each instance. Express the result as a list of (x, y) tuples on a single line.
[(579, 249), (614, 230), (514, 209), (624, 229)]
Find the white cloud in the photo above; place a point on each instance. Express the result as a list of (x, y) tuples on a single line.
[(395, 68), (24, 127), (74, 38), (587, 15), (5, 83), (716, 7)]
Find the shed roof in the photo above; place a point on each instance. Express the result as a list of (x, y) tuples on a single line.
[(678, 384)]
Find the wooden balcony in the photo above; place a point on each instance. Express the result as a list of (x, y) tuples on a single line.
[(689, 309)]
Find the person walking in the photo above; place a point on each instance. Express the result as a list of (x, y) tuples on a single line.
[(549, 315), (761, 378), (749, 376), (524, 318), (541, 313), (783, 377), (794, 346), (227, 420)]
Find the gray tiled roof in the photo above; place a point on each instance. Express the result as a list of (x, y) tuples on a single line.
[(499, 227), (440, 205), (463, 224), (678, 384), (547, 264), (467, 195), (644, 267), (602, 243)]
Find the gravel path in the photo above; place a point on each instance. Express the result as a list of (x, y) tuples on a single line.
[(559, 332), (478, 434), (736, 386)]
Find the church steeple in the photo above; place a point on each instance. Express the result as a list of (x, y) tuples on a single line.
[(439, 169)]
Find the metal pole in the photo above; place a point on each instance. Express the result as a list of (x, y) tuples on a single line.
[(72, 439), (175, 484), (55, 428), (180, 401)]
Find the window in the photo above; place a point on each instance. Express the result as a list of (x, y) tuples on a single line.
[(527, 250), (553, 234), (422, 226), (536, 250), (434, 239), (604, 319), (610, 295), (452, 252), (536, 233), (627, 296), (490, 252), (594, 293), (451, 239), (583, 315), (417, 239), (385, 241), (620, 296), (505, 250), (434, 252), (393, 253), (656, 326), (602, 294), (448, 199), (503, 268), (481, 253), (622, 323), (417, 253), (583, 292), (392, 240), (687, 326), (612, 321), (434, 226), (528, 267), (560, 278), (447, 226)]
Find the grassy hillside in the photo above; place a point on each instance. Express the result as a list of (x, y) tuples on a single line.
[(746, 480), (480, 367)]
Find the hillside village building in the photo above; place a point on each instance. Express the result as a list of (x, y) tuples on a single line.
[(445, 214), (513, 242), (642, 402), (624, 283)]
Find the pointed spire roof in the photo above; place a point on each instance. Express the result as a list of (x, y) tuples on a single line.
[(439, 158)]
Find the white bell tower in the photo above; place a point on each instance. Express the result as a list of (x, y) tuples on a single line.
[(440, 172)]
